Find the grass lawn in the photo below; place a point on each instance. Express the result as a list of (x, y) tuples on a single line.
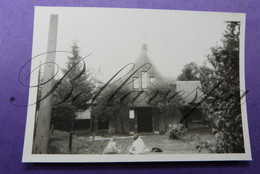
[(59, 143)]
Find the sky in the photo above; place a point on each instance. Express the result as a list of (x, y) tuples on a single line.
[(114, 37)]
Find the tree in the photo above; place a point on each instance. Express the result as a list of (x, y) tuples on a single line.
[(167, 100), (189, 72), (205, 76), (112, 108), (80, 78), (223, 111), (73, 92)]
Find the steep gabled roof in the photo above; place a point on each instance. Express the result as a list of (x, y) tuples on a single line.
[(144, 59)]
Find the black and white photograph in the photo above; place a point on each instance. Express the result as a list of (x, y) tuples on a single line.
[(135, 85)]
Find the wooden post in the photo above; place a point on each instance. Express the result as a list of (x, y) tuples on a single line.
[(44, 118), (131, 120), (70, 142), (52, 129), (136, 122), (112, 126)]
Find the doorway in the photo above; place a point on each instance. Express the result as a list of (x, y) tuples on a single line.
[(103, 124), (145, 120)]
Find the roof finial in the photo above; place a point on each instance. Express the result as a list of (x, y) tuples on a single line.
[(144, 47)]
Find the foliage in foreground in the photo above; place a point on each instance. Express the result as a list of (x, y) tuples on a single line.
[(223, 111), (220, 83), (176, 131)]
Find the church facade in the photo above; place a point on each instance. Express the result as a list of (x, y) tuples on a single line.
[(142, 116)]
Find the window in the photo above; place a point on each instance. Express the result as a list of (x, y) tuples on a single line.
[(152, 79), (144, 79), (136, 84)]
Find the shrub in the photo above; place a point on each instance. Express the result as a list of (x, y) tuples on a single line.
[(212, 147), (176, 131), (200, 144)]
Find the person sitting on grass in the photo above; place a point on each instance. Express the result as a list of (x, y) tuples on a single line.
[(112, 147), (138, 146)]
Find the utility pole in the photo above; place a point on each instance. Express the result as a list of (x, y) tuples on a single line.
[(44, 118)]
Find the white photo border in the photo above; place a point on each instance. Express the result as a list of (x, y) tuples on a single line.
[(58, 158)]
